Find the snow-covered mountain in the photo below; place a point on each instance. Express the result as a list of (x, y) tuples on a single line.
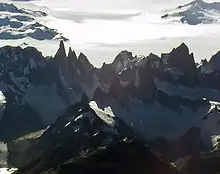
[(16, 23), (196, 12)]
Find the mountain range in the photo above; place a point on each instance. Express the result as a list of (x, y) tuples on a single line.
[(167, 102), (155, 114)]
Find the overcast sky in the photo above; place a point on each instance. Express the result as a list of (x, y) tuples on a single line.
[(113, 4), (110, 4)]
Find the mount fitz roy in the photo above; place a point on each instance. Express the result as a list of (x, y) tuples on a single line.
[(168, 102)]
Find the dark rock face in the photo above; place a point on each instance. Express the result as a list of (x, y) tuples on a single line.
[(81, 141), (26, 70), (205, 163), (146, 85), (99, 95), (215, 61), (117, 92), (181, 59), (72, 55), (61, 53), (210, 73), (210, 80), (188, 145), (107, 74), (79, 129), (17, 65), (27, 120), (121, 61), (83, 62), (128, 156), (20, 152), (174, 101), (178, 68)]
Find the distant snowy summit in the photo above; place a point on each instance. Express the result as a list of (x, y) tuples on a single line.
[(196, 12), (18, 23)]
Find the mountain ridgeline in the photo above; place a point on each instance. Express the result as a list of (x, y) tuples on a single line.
[(168, 102), (39, 89)]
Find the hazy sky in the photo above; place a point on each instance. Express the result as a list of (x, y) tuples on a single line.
[(109, 4), (113, 4)]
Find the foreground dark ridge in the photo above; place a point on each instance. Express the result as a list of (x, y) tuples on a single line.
[(84, 141)]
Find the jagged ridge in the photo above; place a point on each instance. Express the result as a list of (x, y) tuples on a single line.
[(136, 89), (160, 99)]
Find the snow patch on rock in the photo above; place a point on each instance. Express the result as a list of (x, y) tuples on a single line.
[(2, 98), (106, 115), (2, 103)]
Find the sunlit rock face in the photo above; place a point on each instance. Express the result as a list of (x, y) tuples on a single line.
[(2, 98), (2, 103)]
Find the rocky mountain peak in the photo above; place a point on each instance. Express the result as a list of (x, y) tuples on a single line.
[(72, 55), (181, 59), (181, 49), (154, 59), (215, 61), (121, 61), (18, 60), (61, 53), (198, 2), (204, 62), (83, 62)]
